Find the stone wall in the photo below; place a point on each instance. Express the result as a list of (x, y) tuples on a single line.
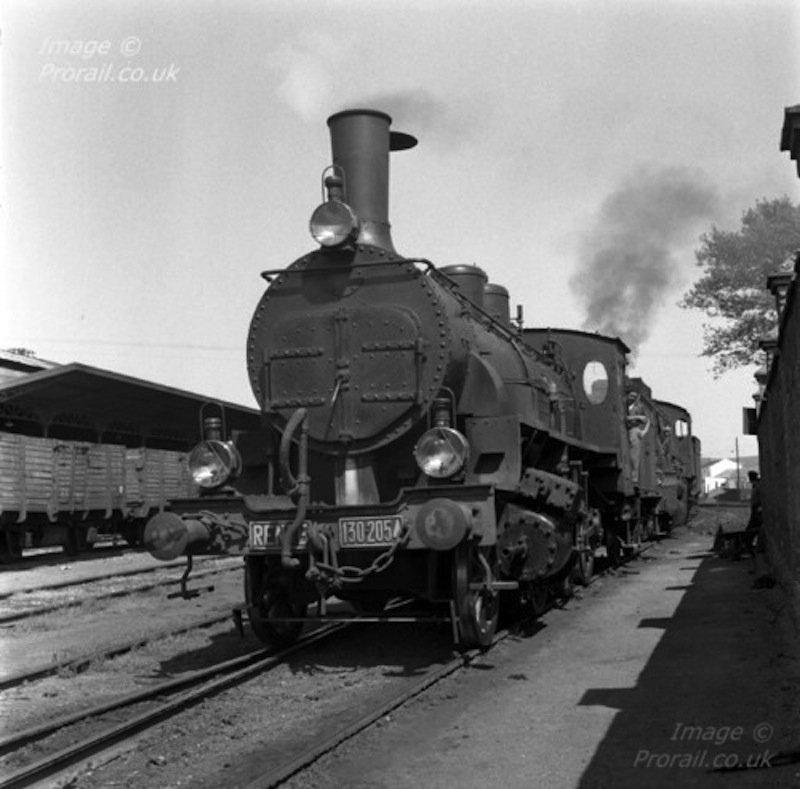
[(779, 441)]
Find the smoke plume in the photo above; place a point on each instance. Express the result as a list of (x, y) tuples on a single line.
[(304, 70), (628, 264)]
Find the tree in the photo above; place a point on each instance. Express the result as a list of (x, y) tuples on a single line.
[(733, 284)]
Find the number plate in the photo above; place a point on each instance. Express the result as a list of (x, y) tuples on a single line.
[(366, 532)]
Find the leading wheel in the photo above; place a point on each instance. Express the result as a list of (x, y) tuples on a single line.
[(477, 606), (275, 619)]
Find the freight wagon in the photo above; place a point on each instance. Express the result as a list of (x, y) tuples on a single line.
[(57, 492)]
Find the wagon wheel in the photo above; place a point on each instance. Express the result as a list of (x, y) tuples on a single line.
[(584, 566), (75, 542), (477, 609), (269, 619), (10, 547), (133, 533)]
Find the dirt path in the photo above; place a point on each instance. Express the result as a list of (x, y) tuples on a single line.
[(659, 675)]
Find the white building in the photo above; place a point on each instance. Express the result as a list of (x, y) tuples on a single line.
[(717, 475)]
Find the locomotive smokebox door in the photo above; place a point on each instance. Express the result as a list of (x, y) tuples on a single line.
[(357, 369)]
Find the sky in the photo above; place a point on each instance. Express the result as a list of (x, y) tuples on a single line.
[(157, 155)]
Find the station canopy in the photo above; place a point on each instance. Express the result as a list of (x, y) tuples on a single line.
[(78, 402)]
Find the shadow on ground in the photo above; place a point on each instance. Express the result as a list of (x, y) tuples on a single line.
[(713, 706)]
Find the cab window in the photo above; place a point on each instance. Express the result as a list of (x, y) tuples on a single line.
[(595, 382)]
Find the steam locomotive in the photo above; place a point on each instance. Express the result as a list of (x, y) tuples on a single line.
[(416, 442)]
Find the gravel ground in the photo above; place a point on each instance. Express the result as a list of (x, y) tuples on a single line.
[(226, 741), (75, 632)]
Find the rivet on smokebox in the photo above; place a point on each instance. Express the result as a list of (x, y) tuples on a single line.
[(441, 524)]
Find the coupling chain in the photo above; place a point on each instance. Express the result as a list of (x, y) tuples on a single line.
[(332, 575)]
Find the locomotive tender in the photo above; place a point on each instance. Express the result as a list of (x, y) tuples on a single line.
[(416, 443)]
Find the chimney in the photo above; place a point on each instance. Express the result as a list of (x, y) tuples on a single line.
[(360, 142)]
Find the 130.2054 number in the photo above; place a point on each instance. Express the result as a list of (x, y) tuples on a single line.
[(368, 531)]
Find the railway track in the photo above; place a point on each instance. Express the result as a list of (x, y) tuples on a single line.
[(10, 599), (156, 704), (183, 693), (49, 587), (82, 662), (381, 706)]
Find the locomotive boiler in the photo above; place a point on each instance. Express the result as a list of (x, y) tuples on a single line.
[(416, 444)]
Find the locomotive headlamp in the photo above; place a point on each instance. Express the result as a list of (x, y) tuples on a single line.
[(212, 463), (333, 223), (441, 452)]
